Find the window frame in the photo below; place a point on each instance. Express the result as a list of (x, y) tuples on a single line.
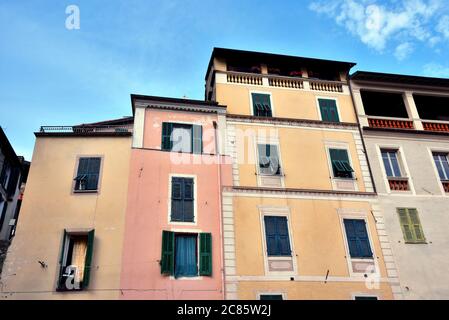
[(437, 175), (415, 240), (283, 212), (288, 231), (337, 105), (281, 171), (270, 94), (269, 293), (63, 252), (75, 174), (195, 199), (339, 146), (184, 124), (390, 162), (403, 166), (346, 213), (367, 235), (196, 233)]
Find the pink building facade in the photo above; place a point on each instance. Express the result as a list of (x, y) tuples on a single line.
[(173, 237)]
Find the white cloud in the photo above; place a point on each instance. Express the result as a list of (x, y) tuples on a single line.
[(378, 24), (436, 70), (403, 50), (443, 26)]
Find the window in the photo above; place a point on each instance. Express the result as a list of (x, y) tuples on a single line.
[(277, 238), (261, 105), (365, 298), (88, 174), (271, 297), (442, 164), (75, 260), (269, 159), (340, 163), (391, 163), (181, 252), (328, 109), (357, 237), (182, 194), (5, 173), (411, 225), (182, 138)]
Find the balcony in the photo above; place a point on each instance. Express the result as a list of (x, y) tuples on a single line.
[(297, 83), (398, 184), (379, 122), (87, 129), (436, 126)]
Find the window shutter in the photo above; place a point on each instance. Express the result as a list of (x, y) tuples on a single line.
[(167, 129), (168, 253), (261, 105), (177, 199), (362, 238), (93, 173), (405, 225), (283, 238), (351, 237), (61, 279), (12, 183), (205, 254), (188, 200), (328, 109), (197, 139), (416, 225), (88, 261)]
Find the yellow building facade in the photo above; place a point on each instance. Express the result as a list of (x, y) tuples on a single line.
[(301, 220), (70, 228)]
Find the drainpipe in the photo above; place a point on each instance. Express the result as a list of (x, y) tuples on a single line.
[(217, 152), (361, 135)]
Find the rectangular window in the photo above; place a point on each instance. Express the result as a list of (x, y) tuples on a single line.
[(340, 163), (328, 109), (182, 252), (88, 174), (277, 237), (261, 105), (391, 163), (182, 199), (179, 137), (365, 298), (271, 297), (269, 159), (75, 260), (411, 225), (442, 164), (357, 237)]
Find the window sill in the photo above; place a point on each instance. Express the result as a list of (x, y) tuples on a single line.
[(416, 242), (195, 278), (85, 191)]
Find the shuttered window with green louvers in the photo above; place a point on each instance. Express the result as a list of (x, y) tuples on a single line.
[(261, 105), (340, 163), (88, 174), (411, 225)]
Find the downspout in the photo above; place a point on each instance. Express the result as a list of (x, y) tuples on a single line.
[(362, 136), (217, 152)]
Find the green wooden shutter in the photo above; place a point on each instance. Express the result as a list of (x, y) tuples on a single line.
[(168, 253), (61, 280), (205, 254), (411, 225), (328, 109), (88, 261), (197, 139), (167, 129), (416, 225)]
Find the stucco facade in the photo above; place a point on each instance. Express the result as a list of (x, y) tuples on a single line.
[(50, 206), (421, 265), (305, 193), (148, 211)]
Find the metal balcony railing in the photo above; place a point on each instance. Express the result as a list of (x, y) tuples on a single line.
[(86, 129)]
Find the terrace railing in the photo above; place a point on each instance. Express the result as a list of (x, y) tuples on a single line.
[(86, 129)]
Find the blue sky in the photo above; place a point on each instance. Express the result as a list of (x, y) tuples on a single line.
[(50, 75)]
